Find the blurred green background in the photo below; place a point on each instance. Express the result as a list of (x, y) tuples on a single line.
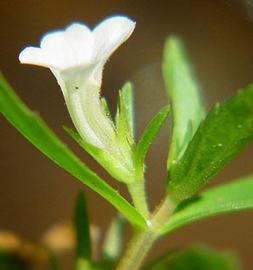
[(34, 193)]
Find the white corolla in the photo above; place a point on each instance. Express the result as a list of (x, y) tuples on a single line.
[(76, 56)]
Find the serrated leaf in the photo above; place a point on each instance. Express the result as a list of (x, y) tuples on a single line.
[(232, 197), (82, 229), (184, 94), (196, 258), (114, 239), (33, 128), (225, 131), (149, 135)]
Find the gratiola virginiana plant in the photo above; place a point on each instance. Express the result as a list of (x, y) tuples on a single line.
[(201, 144)]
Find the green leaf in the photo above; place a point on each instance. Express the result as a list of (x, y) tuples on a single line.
[(104, 158), (124, 116), (225, 131), (232, 197), (196, 258), (114, 239), (33, 128), (127, 99), (183, 92), (106, 107), (82, 229), (148, 136)]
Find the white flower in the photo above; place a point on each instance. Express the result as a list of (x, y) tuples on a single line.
[(78, 45), (76, 57)]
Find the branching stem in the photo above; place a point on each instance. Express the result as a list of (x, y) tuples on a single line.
[(142, 242)]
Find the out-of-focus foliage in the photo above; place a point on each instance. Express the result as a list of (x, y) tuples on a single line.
[(196, 258)]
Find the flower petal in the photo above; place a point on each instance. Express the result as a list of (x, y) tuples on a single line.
[(33, 56), (71, 47), (62, 49), (110, 34), (77, 45)]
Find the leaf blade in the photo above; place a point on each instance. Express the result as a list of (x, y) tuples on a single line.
[(149, 134), (127, 98), (184, 93), (33, 128), (82, 229), (232, 197), (225, 131), (124, 119)]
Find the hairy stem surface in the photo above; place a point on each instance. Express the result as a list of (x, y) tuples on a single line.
[(142, 242)]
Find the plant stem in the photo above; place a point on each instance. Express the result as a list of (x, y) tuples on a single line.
[(138, 194), (142, 242), (136, 251), (161, 215)]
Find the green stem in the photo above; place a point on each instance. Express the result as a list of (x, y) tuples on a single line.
[(162, 213), (142, 242), (138, 194), (136, 251)]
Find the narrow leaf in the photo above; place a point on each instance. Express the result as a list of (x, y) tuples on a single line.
[(124, 116), (149, 134), (232, 197), (225, 131), (33, 128), (183, 92), (196, 258), (127, 98), (82, 229), (105, 107)]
